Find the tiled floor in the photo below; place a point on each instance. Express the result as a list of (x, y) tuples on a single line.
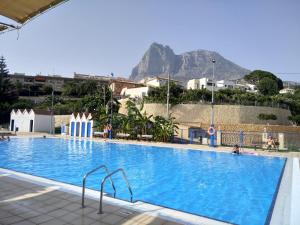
[(24, 203)]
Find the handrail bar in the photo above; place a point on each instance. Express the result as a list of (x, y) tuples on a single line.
[(90, 172), (102, 186)]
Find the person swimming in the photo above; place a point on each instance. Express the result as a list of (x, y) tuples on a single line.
[(236, 149)]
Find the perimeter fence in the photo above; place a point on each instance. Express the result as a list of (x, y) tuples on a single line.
[(258, 140)]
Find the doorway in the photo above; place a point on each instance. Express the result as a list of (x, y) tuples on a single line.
[(12, 125), (31, 126)]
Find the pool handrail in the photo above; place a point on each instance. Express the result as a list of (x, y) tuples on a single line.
[(90, 172), (103, 182)]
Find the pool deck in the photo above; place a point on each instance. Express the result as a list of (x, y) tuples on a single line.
[(27, 199), (25, 203)]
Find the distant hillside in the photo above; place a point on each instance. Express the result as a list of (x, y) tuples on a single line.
[(160, 59)]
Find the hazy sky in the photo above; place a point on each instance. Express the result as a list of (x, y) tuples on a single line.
[(99, 37)]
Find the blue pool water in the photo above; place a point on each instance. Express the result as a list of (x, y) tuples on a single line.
[(231, 188)]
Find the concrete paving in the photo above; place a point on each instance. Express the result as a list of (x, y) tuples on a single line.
[(25, 203)]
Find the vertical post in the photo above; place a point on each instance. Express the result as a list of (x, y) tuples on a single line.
[(219, 138), (212, 136), (281, 141), (111, 108), (168, 96), (52, 103), (241, 139), (181, 135)]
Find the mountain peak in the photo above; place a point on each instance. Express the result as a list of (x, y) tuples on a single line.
[(160, 59)]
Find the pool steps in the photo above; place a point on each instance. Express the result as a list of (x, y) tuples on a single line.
[(90, 172), (108, 176)]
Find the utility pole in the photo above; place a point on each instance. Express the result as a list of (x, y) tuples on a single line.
[(111, 108), (52, 103), (168, 96)]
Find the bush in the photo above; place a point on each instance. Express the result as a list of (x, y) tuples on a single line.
[(267, 117)]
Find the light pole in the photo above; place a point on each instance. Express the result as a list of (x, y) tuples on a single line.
[(52, 103), (111, 108), (168, 96), (212, 134)]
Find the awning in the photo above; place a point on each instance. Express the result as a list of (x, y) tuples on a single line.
[(23, 10)]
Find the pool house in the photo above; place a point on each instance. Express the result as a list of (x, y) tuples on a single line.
[(81, 125), (31, 120)]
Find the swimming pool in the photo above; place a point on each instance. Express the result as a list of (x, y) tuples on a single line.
[(222, 186)]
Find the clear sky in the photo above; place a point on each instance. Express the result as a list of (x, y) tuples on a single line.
[(101, 37)]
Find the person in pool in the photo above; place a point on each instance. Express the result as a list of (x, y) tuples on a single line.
[(236, 149)]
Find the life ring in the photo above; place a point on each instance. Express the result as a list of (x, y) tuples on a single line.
[(211, 130)]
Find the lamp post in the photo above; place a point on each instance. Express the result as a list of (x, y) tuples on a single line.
[(52, 104), (168, 96), (212, 135), (111, 108)]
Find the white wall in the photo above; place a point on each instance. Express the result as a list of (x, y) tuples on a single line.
[(42, 123), (136, 92), (155, 83), (22, 121), (193, 84)]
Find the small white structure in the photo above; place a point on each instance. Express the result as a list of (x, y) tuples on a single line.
[(207, 83), (287, 91), (203, 83), (81, 125), (139, 92), (31, 120), (157, 81), (225, 84)]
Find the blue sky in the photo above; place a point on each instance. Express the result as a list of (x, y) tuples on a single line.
[(101, 37)]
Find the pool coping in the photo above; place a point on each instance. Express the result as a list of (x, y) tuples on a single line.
[(286, 208), (139, 206)]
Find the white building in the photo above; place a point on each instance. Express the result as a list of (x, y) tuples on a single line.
[(206, 83), (81, 125), (157, 81), (139, 92), (203, 83), (287, 91), (31, 120), (225, 84)]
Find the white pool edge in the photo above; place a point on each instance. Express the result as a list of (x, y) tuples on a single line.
[(149, 209), (287, 205)]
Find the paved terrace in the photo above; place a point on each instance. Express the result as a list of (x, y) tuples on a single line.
[(24, 203)]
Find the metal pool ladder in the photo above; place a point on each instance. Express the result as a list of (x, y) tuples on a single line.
[(90, 172), (109, 176)]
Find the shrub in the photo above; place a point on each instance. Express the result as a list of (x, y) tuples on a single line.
[(263, 116)]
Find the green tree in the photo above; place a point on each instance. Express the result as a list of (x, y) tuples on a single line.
[(47, 89), (267, 86), (7, 89), (295, 119), (159, 94), (80, 89), (8, 93), (164, 129), (257, 75)]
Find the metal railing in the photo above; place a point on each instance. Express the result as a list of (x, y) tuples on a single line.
[(103, 182), (90, 172)]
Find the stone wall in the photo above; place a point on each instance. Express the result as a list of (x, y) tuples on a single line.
[(224, 114), (60, 119)]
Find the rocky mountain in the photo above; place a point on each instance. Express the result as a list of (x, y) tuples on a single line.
[(161, 60)]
